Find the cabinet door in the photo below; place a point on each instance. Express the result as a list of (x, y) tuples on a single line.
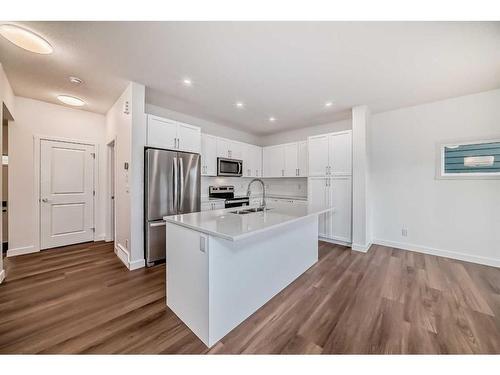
[(291, 153), (206, 206), (161, 133), (317, 199), (246, 157), (218, 205), (340, 218), (274, 161), (341, 154), (257, 161), (236, 150), (189, 138), (318, 155), (208, 155), (223, 146), (302, 159)]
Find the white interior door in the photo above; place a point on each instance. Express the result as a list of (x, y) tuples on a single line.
[(66, 193)]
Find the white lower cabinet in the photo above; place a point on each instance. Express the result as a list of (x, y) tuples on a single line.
[(332, 192), (212, 205)]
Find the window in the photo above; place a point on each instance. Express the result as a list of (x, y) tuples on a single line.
[(470, 159)]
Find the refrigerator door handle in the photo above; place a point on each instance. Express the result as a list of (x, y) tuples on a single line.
[(174, 181), (181, 183)]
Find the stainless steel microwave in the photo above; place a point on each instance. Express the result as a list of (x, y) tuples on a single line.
[(229, 167)]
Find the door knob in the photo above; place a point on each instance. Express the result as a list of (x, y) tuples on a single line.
[(45, 200)]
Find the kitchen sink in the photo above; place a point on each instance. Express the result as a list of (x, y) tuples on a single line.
[(249, 210)]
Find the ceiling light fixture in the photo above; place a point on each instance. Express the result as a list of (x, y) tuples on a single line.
[(328, 104), (71, 100), (187, 82), (272, 119), (25, 39), (75, 80), (239, 105)]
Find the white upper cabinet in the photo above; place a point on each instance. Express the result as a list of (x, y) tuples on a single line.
[(208, 155), (252, 160), (318, 155), (330, 154), (291, 160), (273, 160), (340, 151), (286, 160), (302, 159), (173, 135), (227, 148)]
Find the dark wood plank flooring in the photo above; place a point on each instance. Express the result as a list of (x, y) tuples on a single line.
[(81, 299)]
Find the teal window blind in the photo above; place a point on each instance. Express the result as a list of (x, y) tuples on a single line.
[(472, 158)]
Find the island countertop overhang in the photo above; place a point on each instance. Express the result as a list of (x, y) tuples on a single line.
[(233, 227)]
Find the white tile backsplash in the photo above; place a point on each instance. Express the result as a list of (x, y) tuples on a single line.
[(290, 187)]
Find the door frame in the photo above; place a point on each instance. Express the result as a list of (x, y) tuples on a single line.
[(37, 140), (111, 190)]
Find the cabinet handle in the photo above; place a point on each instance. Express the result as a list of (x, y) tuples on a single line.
[(326, 172), (282, 172)]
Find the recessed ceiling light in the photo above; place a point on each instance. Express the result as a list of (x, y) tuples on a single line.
[(239, 104), (71, 100), (187, 82), (328, 104), (272, 119), (75, 80), (25, 39)]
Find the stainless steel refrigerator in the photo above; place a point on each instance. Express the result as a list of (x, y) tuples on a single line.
[(172, 186)]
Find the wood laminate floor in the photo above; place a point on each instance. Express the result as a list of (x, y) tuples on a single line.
[(81, 299)]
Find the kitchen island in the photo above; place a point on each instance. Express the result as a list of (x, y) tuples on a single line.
[(223, 265)]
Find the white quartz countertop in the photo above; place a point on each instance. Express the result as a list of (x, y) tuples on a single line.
[(234, 227)]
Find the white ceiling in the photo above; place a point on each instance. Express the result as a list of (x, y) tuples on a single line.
[(283, 69)]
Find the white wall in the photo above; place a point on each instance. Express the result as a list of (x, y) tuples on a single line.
[(456, 218), (33, 118), (7, 99), (206, 126), (128, 130), (302, 133)]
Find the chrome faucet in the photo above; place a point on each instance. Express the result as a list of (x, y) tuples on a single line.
[(263, 190)]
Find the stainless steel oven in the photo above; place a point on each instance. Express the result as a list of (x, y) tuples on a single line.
[(229, 167)]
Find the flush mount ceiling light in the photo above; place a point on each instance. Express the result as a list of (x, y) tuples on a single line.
[(328, 104), (187, 82), (272, 119), (25, 39), (71, 100), (75, 80), (239, 104)]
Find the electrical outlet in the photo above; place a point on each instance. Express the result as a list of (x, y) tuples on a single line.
[(404, 232)]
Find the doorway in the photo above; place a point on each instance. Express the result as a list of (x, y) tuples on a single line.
[(67, 193), (5, 184)]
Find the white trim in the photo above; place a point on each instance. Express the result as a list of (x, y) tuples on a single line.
[(100, 237), (440, 252), (361, 248), (124, 256), (334, 241), (36, 178), (22, 250), (136, 264), (2, 276), (110, 233)]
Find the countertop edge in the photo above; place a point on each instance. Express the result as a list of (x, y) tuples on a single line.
[(170, 220)]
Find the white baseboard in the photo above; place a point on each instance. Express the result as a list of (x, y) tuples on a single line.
[(124, 256), (361, 248), (22, 251), (136, 264), (100, 237), (334, 241), (440, 252), (2, 275)]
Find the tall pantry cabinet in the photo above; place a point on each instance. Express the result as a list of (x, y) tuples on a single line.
[(330, 183)]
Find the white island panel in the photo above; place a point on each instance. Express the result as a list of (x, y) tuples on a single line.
[(244, 275)]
